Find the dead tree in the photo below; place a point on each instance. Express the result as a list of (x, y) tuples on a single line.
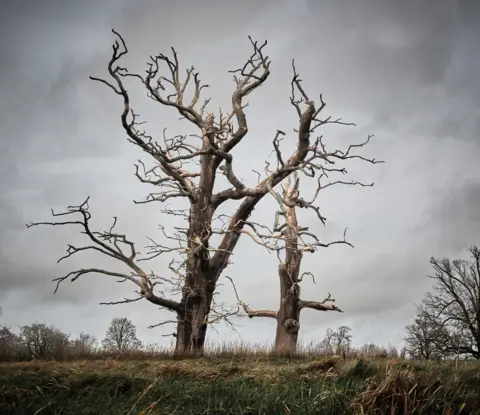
[(294, 240), (186, 167)]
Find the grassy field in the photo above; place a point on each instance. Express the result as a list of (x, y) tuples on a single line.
[(239, 385)]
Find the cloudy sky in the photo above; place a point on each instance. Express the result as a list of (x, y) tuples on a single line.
[(406, 71)]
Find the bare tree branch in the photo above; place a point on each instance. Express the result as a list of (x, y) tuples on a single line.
[(248, 311), (162, 324), (140, 138), (124, 301), (252, 75), (325, 305), (108, 243)]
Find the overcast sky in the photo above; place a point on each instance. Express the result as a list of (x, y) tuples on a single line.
[(406, 71)]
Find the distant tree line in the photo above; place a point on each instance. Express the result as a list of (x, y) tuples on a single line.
[(44, 342), (47, 342)]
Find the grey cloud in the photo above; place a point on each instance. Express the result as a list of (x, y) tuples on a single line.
[(407, 57), (394, 44), (453, 222)]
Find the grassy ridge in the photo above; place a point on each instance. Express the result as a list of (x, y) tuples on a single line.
[(239, 385)]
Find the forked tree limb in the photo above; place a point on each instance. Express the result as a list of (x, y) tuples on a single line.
[(221, 137), (250, 81)]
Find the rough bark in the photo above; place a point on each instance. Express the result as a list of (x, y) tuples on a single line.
[(192, 320), (288, 319), (199, 286)]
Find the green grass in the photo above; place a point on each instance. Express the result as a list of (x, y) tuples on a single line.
[(239, 385)]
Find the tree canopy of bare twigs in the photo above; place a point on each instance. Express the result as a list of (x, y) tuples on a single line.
[(448, 320), (186, 167), (337, 341), (42, 341), (9, 344), (421, 339), (121, 336), (85, 345)]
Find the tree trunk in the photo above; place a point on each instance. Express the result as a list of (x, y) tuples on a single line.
[(288, 320), (199, 286), (192, 320)]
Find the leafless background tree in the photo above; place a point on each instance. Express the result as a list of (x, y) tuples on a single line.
[(121, 336), (10, 344), (85, 345), (448, 321), (422, 337), (42, 341), (337, 341), (186, 167)]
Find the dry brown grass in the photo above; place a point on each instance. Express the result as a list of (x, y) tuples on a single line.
[(239, 380)]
